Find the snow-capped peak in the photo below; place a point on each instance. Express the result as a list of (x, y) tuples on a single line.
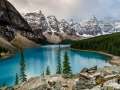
[(86, 27), (63, 21)]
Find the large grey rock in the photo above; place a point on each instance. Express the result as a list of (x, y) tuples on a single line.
[(84, 70), (80, 85)]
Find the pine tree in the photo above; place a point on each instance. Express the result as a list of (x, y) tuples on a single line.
[(66, 65), (42, 74), (4, 84), (59, 67), (16, 79), (48, 70), (0, 55), (22, 68)]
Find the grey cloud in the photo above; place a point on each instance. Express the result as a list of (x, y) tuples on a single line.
[(67, 9)]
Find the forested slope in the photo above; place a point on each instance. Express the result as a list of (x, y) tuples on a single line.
[(105, 43)]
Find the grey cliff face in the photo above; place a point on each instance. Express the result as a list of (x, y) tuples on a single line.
[(53, 23), (37, 21), (11, 22)]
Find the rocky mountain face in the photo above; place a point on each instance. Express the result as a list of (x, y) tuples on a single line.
[(11, 22), (53, 23), (88, 26), (37, 21), (106, 26), (50, 27)]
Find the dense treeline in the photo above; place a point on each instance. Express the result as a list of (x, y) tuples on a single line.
[(105, 43), (43, 41), (67, 41)]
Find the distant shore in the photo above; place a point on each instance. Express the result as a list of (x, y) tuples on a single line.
[(114, 59), (6, 56), (10, 55)]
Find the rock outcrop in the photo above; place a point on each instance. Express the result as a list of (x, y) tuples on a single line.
[(9, 15), (37, 21), (88, 26), (105, 78), (11, 22)]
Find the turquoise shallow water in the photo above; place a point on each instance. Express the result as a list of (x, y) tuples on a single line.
[(38, 58)]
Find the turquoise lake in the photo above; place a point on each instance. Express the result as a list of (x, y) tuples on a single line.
[(38, 58)]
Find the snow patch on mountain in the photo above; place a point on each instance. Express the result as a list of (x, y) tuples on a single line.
[(88, 27)]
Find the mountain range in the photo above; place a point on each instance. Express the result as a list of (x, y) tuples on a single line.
[(56, 31), (27, 29)]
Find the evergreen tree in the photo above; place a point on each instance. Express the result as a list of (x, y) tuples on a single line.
[(48, 70), (105, 43), (0, 55), (4, 84), (59, 67), (66, 65), (42, 74), (16, 79), (22, 68)]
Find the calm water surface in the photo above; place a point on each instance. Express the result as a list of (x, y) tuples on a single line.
[(38, 58)]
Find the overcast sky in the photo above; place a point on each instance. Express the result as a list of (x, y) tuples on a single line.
[(71, 9)]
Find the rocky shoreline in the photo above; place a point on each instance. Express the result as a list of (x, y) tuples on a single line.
[(6, 56), (105, 78), (10, 55), (114, 59)]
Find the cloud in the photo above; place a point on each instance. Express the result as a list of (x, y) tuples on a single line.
[(71, 9)]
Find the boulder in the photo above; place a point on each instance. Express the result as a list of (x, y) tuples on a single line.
[(64, 85), (105, 79), (9, 88), (83, 85), (96, 74), (110, 88), (91, 71), (84, 70), (110, 76), (79, 85), (93, 68), (84, 76)]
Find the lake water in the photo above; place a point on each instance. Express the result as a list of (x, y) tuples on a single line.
[(38, 58)]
